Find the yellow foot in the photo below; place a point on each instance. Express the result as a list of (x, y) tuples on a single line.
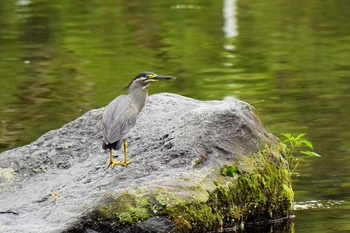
[(112, 163)]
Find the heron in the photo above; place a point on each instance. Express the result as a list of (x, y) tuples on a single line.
[(120, 115)]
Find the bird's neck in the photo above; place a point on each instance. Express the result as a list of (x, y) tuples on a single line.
[(139, 99)]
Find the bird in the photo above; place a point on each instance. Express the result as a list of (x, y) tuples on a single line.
[(119, 116)]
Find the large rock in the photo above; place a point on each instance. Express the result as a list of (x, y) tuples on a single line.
[(198, 166)]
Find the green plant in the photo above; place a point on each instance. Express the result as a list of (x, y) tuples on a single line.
[(230, 171), (292, 145)]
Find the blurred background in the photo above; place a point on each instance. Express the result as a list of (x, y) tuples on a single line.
[(289, 59)]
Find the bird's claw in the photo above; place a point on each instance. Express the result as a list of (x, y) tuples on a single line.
[(125, 163)]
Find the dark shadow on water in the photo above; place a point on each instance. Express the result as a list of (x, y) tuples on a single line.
[(278, 226)]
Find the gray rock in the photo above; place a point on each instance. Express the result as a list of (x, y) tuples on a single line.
[(60, 183)]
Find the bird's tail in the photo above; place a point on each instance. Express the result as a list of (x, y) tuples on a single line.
[(105, 146), (115, 146)]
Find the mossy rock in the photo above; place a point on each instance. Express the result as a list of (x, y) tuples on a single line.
[(198, 166), (258, 191)]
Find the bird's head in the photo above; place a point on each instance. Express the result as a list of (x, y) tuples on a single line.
[(144, 79)]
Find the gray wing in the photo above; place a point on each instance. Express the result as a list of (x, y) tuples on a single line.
[(118, 118)]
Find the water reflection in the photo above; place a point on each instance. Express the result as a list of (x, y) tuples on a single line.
[(230, 20), (318, 204), (329, 218), (279, 226)]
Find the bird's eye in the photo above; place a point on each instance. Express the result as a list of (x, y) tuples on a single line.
[(150, 76)]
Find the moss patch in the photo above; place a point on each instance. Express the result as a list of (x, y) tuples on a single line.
[(260, 196), (125, 210), (255, 190)]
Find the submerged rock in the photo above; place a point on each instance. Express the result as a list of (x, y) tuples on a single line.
[(199, 166)]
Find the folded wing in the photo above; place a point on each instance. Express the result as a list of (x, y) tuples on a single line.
[(118, 119)]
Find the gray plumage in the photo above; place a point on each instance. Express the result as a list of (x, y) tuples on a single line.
[(118, 119)]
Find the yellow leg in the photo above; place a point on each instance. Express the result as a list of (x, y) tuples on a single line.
[(112, 162), (125, 163)]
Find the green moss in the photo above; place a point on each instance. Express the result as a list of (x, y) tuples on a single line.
[(230, 171), (198, 215), (260, 191), (125, 209), (263, 194)]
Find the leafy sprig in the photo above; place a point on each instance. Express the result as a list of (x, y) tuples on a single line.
[(292, 145)]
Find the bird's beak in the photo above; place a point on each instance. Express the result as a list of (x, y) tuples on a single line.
[(163, 77), (156, 78)]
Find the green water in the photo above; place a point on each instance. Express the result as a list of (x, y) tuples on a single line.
[(289, 59)]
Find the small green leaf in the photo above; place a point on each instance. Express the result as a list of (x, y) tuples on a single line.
[(301, 135), (310, 153), (307, 143), (287, 135)]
